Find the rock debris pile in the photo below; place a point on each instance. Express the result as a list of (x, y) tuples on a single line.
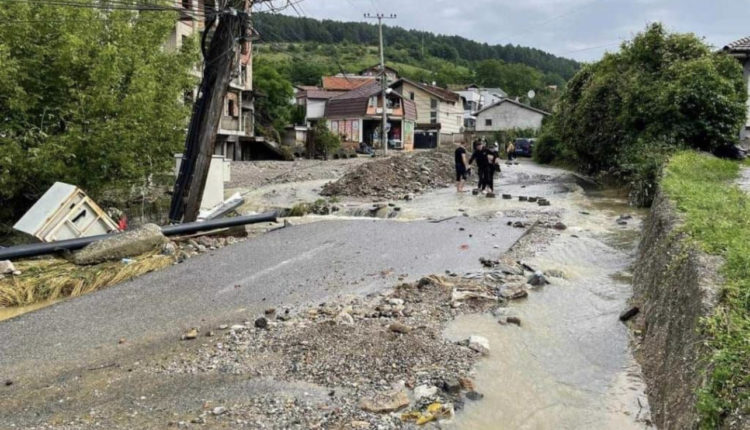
[(381, 361), (396, 177)]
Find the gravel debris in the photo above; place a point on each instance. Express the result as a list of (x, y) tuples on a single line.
[(397, 177)]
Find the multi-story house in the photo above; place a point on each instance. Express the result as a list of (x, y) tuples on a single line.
[(440, 113), (235, 138)]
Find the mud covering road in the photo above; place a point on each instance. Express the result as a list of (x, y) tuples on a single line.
[(351, 352)]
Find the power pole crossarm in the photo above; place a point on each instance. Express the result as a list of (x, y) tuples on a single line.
[(383, 79)]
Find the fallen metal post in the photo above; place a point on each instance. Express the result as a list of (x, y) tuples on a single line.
[(35, 249)]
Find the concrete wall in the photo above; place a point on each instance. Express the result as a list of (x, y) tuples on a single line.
[(675, 285), (316, 109), (508, 116)]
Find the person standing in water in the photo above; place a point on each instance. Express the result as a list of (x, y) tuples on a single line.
[(480, 156), (462, 167)]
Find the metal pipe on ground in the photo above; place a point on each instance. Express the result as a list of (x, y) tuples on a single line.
[(35, 249)]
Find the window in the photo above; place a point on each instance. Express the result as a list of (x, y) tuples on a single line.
[(433, 117), (411, 95), (488, 122), (433, 103), (187, 4), (232, 108)]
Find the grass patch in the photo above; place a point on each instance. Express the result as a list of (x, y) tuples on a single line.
[(717, 218), (43, 280)]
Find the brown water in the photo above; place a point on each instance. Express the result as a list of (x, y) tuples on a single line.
[(569, 366)]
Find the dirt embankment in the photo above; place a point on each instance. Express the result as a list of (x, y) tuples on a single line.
[(395, 177), (675, 285)]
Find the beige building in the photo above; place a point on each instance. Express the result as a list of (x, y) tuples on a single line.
[(509, 114), (235, 138), (440, 112)]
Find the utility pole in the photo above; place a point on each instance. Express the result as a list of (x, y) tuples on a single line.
[(383, 81), (233, 24)]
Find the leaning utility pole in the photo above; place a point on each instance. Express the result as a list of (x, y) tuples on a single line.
[(383, 81), (233, 24)]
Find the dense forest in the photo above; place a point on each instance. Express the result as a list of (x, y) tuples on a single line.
[(417, 45)]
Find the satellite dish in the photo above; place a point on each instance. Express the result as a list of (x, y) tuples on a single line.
[(531, 94)]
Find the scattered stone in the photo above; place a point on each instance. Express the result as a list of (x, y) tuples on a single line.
[(397, 327), (190, 335), (490, 195), (344, 318), (466, 383), (513, 320), (507, 196), (121, 341), (6, 267), (523, 198), (479, 344), (396, 302), (519, 224), (554, 273), (543, 202), (486, 262), (559, 226), (533, 199), (513, 292), (424, 391), (169, 249), (630, 313), (622, 222), (475, 192), (453, 385), (386, 402), (8, 382), (270, 311), (237, 327), (219, 410), (261, 322), (474, 396), (537, 279)]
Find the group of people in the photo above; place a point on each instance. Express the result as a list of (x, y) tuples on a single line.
[(487, 158)]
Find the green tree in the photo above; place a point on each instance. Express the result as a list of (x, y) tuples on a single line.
[(661, 92), (274, 107), (88, 97)]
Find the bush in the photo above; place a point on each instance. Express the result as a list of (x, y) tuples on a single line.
[(661, 87), (324, 140), (287, 154)]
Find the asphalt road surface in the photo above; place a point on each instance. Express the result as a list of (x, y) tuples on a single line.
[(287, 267)]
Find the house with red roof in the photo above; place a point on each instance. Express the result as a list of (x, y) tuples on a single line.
[(356, 116)]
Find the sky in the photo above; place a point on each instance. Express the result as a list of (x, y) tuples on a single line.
[(578, 29)]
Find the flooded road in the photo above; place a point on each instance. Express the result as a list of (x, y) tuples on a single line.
[(569, 365)]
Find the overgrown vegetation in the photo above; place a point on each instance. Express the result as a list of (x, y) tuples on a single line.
[(626, 113), (717, 217), (88, 97)]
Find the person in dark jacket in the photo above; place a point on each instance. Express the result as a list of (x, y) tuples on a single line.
[(493, 165), (480, 156)]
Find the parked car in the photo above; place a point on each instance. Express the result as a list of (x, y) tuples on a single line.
[(524, 146)]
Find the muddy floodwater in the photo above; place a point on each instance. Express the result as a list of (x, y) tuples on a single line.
[(569, 365)]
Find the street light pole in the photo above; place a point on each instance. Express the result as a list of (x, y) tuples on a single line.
[(383, 80)]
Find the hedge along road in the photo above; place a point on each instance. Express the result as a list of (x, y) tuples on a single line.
[(287, 267)]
